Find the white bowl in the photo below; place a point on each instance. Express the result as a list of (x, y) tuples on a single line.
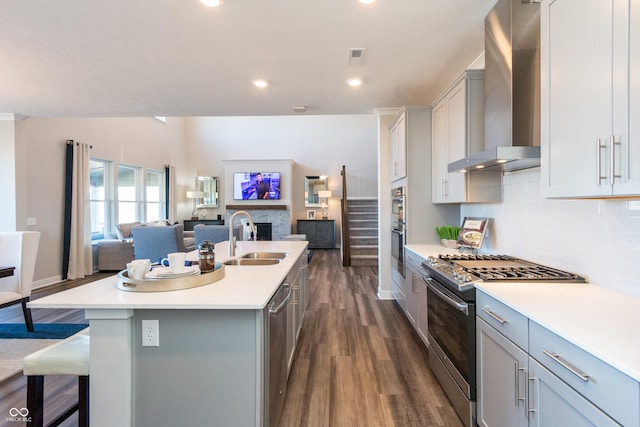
[(451, 244)]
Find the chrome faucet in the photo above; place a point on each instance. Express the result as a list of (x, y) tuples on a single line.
[(232, 238)]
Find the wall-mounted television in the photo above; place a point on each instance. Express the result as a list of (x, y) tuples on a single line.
[(256, 186)]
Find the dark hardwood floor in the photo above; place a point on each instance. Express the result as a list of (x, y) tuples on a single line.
[(358, 361)]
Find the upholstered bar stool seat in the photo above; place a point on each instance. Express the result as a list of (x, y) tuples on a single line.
[(67, 357)]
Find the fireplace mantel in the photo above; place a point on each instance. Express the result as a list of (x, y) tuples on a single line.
[(258, 207)]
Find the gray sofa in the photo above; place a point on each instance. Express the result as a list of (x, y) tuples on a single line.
[(215, 233)]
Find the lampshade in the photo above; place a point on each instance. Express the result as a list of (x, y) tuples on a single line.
[(324, 193), (195, 194)]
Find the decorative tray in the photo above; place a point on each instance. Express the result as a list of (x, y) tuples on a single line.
[(163, 283)]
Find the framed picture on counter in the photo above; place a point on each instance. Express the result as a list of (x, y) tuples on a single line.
[(311, 214)]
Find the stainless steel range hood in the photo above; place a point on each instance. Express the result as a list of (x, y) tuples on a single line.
[(511, 90)]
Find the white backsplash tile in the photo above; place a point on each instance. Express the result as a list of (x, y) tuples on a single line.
[(597, 238)]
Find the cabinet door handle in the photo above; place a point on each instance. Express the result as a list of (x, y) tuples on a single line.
[(567, 365), (517, 372), (528, 392), (599, 161), (615, 142), (495, 316)]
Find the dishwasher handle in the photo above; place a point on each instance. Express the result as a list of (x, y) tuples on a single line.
[(275, 311)]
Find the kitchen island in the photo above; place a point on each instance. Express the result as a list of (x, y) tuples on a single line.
[(210, 364)]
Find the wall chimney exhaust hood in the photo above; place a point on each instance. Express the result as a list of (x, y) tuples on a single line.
[(511, 90)]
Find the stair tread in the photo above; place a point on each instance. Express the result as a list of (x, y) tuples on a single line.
[(364, 256)]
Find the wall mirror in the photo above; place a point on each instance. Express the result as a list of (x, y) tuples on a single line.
[(312, 186), (208, 185)]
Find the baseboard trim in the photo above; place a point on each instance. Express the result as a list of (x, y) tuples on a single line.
[(385, 295)]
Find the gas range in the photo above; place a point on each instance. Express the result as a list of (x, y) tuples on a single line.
[(463, 271)]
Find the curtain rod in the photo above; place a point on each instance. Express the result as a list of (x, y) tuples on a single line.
[(70, 142)]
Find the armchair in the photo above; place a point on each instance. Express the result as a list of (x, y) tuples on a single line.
[(18, 249), (156, 242)]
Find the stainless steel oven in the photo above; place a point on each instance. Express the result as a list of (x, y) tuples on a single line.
[(451, 310), (398, 230), (451, 320)]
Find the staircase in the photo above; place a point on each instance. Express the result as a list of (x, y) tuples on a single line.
[(363, 231)]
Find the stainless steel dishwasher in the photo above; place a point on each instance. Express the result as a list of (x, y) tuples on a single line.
[(277, 380)]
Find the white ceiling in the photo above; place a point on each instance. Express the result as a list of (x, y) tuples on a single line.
[(88, 58)]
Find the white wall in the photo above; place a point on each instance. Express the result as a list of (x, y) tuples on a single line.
[(599, 239), (319, 145), (142, 142), (8, 173)]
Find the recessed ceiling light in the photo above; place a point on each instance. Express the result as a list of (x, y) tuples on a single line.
[(366, 1), (354, 82), (212, 3), (260, 83)]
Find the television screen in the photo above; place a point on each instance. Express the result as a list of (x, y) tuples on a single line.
[(256, 186)]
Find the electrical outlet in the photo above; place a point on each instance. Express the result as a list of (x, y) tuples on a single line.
[(150, 333)]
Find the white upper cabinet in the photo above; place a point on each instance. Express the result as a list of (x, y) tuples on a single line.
[(590, 89), (398, 140), (457, 131)]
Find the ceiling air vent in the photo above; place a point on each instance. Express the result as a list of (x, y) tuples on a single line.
[(356, 56)]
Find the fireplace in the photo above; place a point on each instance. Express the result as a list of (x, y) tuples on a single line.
[(263, 230), (276, 218)]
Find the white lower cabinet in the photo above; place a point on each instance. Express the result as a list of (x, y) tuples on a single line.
[(413, 296), (501, 380), (553, 402), (529, 376)]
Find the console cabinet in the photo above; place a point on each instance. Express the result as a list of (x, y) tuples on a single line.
[(190, 223), (321, 233)]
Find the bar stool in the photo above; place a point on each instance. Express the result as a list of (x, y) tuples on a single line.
[(67, 357)]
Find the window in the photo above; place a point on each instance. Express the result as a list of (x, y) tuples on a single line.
[(127, 194), (155, 196), (123, 193), (98, 201)]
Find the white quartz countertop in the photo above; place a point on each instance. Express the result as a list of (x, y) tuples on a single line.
[(243, 287), (601, 321)]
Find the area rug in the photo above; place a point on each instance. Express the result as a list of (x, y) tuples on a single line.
[(47, 331), (13, 351)]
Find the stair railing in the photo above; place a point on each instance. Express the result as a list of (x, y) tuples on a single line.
[(344, 207)]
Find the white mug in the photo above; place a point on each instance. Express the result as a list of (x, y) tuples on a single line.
[(136, 270), (146, 263), (176, 261)]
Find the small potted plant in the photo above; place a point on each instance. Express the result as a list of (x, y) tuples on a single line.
[(448, 236)]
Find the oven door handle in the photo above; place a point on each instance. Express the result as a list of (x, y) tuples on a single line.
[(461, 306)]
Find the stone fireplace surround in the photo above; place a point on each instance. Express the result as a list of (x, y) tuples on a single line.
[(278, 216)]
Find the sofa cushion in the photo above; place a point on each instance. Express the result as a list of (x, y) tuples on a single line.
[(123, 231)]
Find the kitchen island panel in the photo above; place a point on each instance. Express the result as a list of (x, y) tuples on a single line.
[(206, 370)]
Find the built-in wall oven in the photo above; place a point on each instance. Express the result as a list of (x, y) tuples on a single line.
[(451, 313), (398, 230)]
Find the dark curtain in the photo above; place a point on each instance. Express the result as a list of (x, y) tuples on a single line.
[(68, 180), (167, 180)]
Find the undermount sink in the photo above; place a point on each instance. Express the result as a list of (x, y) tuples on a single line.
[(262, 255), (252, 261)]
